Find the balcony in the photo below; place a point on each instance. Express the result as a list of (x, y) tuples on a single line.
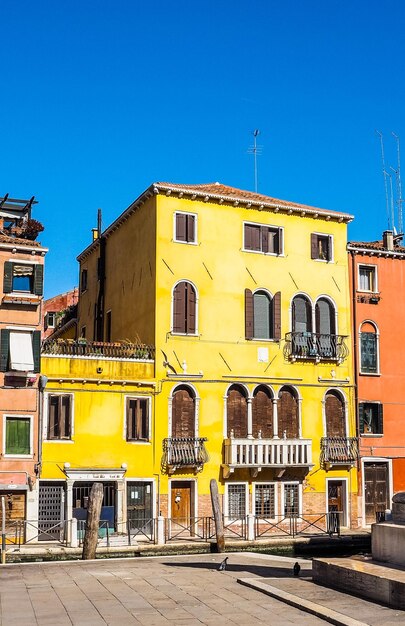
[(98, 349), (255, 454), (315, 347), (339, 451), (182, 452)]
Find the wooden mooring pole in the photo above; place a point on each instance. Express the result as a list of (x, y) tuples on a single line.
[(216, 511), (92, 522), (3, 530)]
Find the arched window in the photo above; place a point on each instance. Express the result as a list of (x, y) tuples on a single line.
[(288, 418), (183, 412), (184, 308), (262, 413), (262, 315), (335, 417), (325, 328), (301, 315), (368, 349), (236, 412)]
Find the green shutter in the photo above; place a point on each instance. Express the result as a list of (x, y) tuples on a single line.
[(8, 277), (4, 349), (36, 349), (361, 417), (18, 435), (38, 280), (380, 430)]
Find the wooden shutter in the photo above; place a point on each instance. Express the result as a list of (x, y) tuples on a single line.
[(8, 277), (248, 243), (279, 241), (288, 415), (335, 416), (265, 239), (236, 409), (183, 414), (277, 316), (38, 280), (4, 349), (36, 349), (314, 246), (179, 308), (248, 314), (262, 414), (190, 309), (190, 236), (361, 417), (181, 227), (330, 248), (53, 417), (380, 429), (65, 417), (131, 409)]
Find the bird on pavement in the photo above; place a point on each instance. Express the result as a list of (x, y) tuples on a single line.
[(223, 564), (296, 569)]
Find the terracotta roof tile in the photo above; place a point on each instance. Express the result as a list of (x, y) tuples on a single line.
[(375, 245), (18, 241)]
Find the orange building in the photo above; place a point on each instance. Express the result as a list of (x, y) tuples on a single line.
[(59, 310), (21, 289), (377, 271)]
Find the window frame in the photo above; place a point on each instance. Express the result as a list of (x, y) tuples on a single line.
[(84, 275), (47, 323), (377, 336), (5, 356), (46, 408), (331, 246), (247, 507), (193, 242), (187, 333), (37, 287), (379, 417), (30, 418), (148, 400), (283, 485), (269, 484), (279, 230), (375, 270)]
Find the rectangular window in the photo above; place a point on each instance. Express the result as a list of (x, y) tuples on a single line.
[(367, 278), (321, 247), (291, 499), (185, 227), (83, 281), (265, 500), (137, 419), (59, 417), (371, 418), (20, 351), (262, 238), (18, 436), (23, 278), (50, 320), (236, 501)]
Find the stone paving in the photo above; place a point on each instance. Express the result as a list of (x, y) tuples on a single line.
[(181, 590)]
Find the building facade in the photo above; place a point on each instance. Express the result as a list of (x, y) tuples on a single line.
[(21, 290), (378, 288), (59, 311)]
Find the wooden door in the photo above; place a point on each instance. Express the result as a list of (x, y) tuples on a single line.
[(376, 491), (181, 505)]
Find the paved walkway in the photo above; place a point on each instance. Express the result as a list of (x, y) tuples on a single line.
[(181, 591)]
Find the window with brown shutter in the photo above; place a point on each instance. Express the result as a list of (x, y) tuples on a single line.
[(137, 417), (183, 412), (236, 410), (335, 415), (185, 227), (59, 416), (288, 418), (262, 413), (262, 238), (184, 309), (321, 247)]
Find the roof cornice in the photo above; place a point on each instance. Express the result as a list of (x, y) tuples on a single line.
[(375, 251), (20, 247)]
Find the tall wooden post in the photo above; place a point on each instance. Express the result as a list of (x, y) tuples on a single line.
[(92, 522), (216, 511)]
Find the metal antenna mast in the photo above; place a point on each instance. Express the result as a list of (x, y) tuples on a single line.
[(399, 186), (255, 150), (391, 202), (385, 174)]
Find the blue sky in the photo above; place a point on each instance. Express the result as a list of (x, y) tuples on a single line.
[(100, 98)]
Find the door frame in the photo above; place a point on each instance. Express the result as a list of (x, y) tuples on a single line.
[(193, 495), (140, 480), (374, 459), (345, 482)]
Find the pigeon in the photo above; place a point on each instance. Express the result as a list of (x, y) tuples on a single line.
[(296, 569), (223, 564)]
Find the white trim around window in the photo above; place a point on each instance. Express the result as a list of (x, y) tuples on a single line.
[(45, 415), (189, 243), (273, 227), (291, 482), (331, 243), (368, 266), (134, 396), (276, 498), (18, 456), (226, 498)]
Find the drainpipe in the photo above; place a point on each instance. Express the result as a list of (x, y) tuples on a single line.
[(42, 381)]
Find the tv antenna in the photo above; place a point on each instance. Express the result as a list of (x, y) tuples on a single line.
[(399, 185), (256, 150), (385, 174)]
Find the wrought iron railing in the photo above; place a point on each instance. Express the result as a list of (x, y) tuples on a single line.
[(339, 450), (184, 452), (315, 346), (100, 349)]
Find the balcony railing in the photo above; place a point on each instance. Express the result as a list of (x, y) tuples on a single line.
[(315, 346), (98, 349), (179, 452), (257, 453), (339, 450)]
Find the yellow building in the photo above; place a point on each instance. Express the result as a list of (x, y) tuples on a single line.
[(246, 301)]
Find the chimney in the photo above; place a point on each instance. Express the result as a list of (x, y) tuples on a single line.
[(388, 239)]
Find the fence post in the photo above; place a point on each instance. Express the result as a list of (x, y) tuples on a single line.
[(74, 543), (251, 527), (160, 530)]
